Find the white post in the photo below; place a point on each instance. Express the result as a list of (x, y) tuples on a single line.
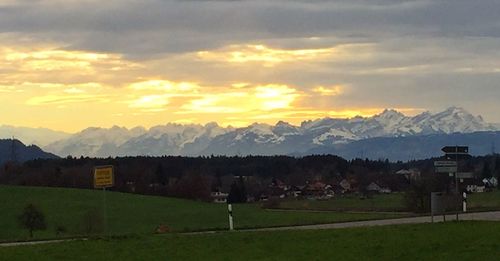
[(464, 204), (230, 212)]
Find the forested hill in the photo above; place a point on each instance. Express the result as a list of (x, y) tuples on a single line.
[(14, 150)]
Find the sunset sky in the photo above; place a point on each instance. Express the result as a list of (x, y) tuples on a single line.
[(68, 64)]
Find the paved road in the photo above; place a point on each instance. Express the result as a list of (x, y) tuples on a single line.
[(483, 216), (29, 243)]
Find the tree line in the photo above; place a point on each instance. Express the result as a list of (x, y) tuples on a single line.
[(196, 177)]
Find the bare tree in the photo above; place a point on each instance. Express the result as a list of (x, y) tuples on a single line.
[(32, 219)]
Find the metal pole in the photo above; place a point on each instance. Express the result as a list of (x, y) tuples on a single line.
[(456, 180), (230, 212), (432, 207), (104, 212)]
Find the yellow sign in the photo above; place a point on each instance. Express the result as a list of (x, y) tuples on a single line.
[(103, 177)]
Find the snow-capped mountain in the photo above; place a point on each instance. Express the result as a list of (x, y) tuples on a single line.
[(175, 139), (95, 141), (262, 139), (169, 139), (37, 136), (284, 138)]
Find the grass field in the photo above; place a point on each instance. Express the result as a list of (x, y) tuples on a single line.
[(449, 241), (383, 203), (386, 203), (137, 214), (484, 201)]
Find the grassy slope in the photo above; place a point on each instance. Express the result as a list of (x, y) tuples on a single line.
[(128, 213), (450, 241)]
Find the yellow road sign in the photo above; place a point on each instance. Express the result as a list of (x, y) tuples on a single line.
[(103, 177)]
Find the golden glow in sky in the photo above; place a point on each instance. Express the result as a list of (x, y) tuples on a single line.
[(47, 86), (262, 54)]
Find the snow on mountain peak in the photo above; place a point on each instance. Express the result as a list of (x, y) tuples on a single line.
[(390, 113), (193, 139)]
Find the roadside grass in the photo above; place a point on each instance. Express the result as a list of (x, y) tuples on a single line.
[(139, 214), (440, 241), (484, 201)]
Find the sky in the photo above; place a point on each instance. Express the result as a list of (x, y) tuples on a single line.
[(68, 64)]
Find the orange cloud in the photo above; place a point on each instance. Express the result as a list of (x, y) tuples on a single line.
[(329, 91), (263, 54)]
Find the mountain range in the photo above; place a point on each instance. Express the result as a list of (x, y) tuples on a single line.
[(326, 135)]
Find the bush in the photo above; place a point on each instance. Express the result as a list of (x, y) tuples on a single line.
[(60, 229)]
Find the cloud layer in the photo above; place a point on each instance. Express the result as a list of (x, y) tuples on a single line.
[(244, 61)]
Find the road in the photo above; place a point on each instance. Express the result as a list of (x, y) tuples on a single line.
[(482, 216), (29, 243)]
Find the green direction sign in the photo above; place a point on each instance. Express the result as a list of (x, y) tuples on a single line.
[(445, 163), (445, 166)]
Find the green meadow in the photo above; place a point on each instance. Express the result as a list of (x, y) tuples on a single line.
[(140, 215)]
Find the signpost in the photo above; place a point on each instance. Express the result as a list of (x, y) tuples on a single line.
[(451, 167), (104, 178), (463, 150)]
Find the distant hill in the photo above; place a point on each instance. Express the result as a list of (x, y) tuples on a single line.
[(411, 147), (14, 149), (38, 136)]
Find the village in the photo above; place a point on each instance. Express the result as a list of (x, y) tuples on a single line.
[(277, 189)]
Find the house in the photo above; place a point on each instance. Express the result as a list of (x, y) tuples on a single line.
[(316, 189), (376, 187), (294, 192), (491, 182), (494, 181), (410, 174), (219, 197), (329, 192), (337, 189), (278, 188), (346, 186)]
